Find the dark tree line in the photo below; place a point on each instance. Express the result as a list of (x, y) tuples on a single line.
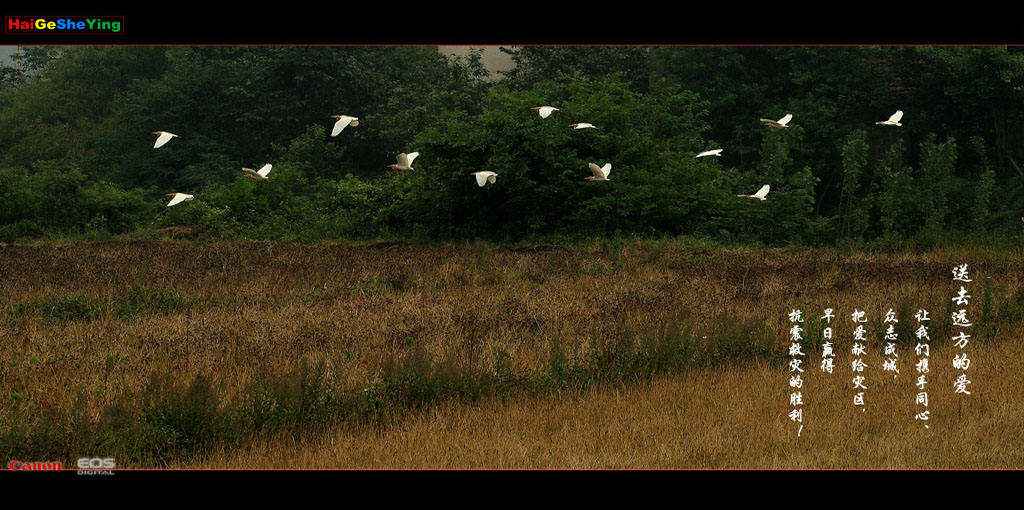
[(76, 154)]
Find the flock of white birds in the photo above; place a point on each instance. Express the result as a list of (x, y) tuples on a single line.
[(405, 161)]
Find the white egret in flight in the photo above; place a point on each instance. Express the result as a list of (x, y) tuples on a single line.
[(894, 120), (343, 122), (178, 198), (544, 111), (715, 152), (600, 173), (163, 138), (583, 125), (760, 195), (404, 161), (261, 174), (482, 178), (781, 123)]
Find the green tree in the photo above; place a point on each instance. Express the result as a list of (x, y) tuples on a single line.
[(937, 163), (983, 189), (853, 218), (536, 64), (542, 163), (895, 209)]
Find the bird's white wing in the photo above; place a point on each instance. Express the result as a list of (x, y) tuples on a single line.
[(763, 192), (596, 170), (491, 177), (355, 122), (403, 159), (178, 198), (412, 157), (162, 139), (481, 178), (896, 116), (340, 125), (785, 120), (606, 170), (546, 110), (265, 170)]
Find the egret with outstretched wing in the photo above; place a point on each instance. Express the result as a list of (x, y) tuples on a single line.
[(484, 177), (600, 173), (343, 122), (544, 111), (163, 138), (781, 123), (760, 195), (178, 198), (894, 120), (404, 161), (261, 174), (715, 152)]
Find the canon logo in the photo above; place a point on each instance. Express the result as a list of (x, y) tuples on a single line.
[(16, 465)]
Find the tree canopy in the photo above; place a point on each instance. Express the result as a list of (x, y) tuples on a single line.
[(76, 154)]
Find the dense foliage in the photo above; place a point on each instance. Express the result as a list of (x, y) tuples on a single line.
[(76, 154)]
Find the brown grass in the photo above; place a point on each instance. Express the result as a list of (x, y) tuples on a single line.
[(733, 417), (236, 308)]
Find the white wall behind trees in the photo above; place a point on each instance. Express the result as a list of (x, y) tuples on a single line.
[(493, 58)]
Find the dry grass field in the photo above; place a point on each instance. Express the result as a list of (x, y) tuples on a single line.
[(731, 417), (632, 354)]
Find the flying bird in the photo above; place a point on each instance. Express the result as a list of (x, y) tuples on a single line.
[(404, 161), (894, 120), (482, 178), (544, 111), (163, 138), (261, 174), (600, 173), (343, 122), (781, 123), (715, 152), (178, 198), (760, 195), (583, 125)]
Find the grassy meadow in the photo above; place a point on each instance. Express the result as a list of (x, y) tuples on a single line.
[(613, 354)]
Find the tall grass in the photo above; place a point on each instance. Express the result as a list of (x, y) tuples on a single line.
[(174, 419), (126, 304), (178, 350)]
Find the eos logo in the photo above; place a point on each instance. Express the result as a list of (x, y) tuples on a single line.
[(96, 463)]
